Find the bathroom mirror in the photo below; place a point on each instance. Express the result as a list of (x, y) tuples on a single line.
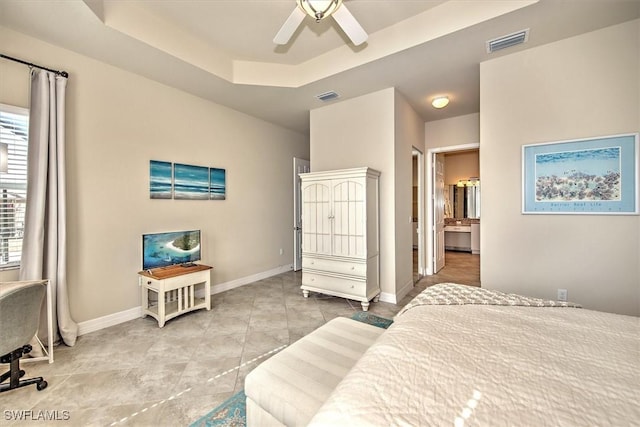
[(464, 202)]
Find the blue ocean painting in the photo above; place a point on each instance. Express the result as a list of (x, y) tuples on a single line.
[(581, 175), (160, 184), (217, 184), (190, 182)]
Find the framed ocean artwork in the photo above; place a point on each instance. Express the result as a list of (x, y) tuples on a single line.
[(160, 180), (217, 184), (190, 182), (582, 176)]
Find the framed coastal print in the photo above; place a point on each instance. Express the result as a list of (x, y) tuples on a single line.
[(582, 176), (217, 184), (190, 182), (160, 180)]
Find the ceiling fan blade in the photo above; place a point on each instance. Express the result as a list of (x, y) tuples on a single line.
[(290, 26), (349, 25)]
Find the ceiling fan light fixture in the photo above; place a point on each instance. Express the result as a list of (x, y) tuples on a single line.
[(440, 102), (319, 9)]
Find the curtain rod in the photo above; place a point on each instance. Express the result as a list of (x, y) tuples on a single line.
[(60, 73)]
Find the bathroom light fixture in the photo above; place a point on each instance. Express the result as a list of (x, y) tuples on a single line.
[(440, 102), (471, 182), (319, 9)]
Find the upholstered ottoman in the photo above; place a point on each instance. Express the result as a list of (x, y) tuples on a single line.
[(289, 388)]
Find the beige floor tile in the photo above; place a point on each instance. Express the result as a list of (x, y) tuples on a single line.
[(138, 374)]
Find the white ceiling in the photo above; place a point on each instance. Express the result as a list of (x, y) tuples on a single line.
[(222, 50)]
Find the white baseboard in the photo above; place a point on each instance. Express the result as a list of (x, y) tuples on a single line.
[(394, 298), (135, 312), (403, 291), (387, 297), (236, 283), (108, 320)]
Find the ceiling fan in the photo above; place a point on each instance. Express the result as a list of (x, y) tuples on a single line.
[(320, 9)]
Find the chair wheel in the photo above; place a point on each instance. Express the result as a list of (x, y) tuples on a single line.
[(21, 373), (41, 385)]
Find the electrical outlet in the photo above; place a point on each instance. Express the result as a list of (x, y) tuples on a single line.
[(562, 294), (281, 251)]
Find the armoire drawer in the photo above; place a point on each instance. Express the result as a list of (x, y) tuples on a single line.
[(334, 284), (335, 266)]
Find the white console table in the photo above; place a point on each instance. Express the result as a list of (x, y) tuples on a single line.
[(175, 291)]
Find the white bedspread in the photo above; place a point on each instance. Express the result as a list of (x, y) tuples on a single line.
[(494, 365)]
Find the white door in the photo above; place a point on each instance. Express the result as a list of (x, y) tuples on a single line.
[(438, 212), (299, 166)]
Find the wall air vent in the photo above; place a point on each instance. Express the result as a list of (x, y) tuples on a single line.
[(327, 96), (507, 41)]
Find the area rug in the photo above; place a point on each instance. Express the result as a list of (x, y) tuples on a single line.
[(372, 319), (233, 411), (230, 413)]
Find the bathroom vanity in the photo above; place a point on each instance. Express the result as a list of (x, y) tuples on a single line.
[(465, 238)]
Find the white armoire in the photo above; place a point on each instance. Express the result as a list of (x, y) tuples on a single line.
[(340, 234)]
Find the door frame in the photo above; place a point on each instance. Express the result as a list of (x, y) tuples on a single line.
[(421, 209), (297, 210), (431, 152)]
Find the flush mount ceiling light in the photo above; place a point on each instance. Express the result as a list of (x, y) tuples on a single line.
[(440, 102)]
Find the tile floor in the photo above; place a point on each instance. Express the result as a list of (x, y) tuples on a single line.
[(137, 374)]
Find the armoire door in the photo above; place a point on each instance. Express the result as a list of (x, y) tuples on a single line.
[(349, 219), (316, 221)]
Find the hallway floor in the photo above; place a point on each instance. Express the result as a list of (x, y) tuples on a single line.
[(460, 267)]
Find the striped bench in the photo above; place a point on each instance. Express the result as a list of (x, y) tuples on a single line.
[(289, 388)]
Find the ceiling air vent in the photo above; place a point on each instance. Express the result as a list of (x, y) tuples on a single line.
[(327, 96), (507, 41)]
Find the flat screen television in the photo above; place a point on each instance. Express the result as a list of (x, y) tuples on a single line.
[(170, 248)]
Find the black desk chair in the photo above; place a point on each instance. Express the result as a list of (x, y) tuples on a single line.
[(20, 304)]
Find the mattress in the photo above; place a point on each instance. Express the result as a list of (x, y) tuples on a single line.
[(474, 363)]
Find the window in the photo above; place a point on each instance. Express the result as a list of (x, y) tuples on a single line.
[(14, 128)]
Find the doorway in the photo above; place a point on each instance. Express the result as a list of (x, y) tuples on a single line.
[(299, 166), (417, 215), (434, 211)]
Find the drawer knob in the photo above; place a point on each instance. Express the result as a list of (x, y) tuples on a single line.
[(353, 267)]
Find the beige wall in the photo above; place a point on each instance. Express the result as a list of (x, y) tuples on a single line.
[(118, 121), (580, 87), (461, 165), (409, 134), (355, 133), (460, 130), (377, 130)]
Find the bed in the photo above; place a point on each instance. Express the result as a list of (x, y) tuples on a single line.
[(465, 356)]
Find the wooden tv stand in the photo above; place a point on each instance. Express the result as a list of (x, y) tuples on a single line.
[(175, 290)]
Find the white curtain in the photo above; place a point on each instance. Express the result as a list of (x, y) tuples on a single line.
[(44, 246)]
